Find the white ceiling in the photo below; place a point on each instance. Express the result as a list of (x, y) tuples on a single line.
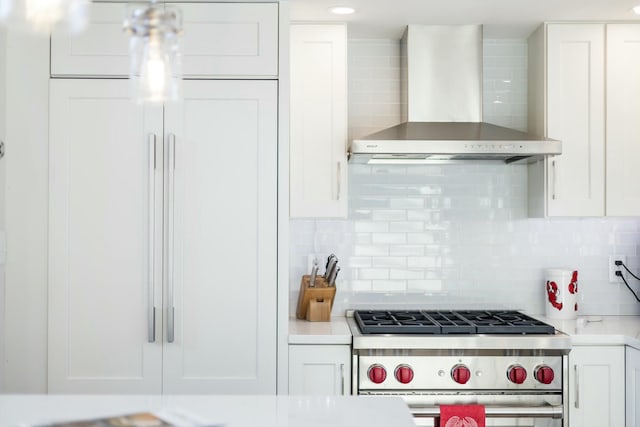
[(501, 18)]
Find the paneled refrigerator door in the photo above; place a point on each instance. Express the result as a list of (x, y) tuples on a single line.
[(105, 230), (221, 238)]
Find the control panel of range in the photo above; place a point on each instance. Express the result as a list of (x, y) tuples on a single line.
[(450, 372)]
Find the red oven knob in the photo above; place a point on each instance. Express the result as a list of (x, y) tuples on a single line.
[(404, 374), (516, 374), (460, 374), (377, 373), (544, 374)]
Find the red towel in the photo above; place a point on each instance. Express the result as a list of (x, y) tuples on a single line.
[(461, 416)]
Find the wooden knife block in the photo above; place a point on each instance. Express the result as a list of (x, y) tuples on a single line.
[(315, 302)]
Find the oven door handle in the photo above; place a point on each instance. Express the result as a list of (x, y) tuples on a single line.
[(499, 411)]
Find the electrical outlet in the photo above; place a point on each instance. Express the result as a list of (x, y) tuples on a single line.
[(613, 267)]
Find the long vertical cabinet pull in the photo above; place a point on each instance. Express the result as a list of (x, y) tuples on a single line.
[(342, 391), (151, 309), (577, 402), (339, 183), (553, 167), (170, 201)]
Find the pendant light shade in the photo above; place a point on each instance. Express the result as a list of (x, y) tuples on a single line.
[(155, 67), (42, 16)]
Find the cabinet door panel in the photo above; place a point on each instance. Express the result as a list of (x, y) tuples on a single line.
[(99, 271), (633, 386), (319, 369), (596, 386), (575, 115), (228, 39), (623, 110), (219, 40), (318, 179), (224, 216)]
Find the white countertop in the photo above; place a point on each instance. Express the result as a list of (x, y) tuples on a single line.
[(586, 330), (230, 411), (600, 330), (334, 332)]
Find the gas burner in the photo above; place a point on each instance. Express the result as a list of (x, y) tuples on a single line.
[(449, 322)]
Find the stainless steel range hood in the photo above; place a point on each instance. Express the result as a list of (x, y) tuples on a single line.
[(442, 107)]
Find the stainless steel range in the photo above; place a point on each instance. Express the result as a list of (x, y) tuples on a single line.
[(513, 364)]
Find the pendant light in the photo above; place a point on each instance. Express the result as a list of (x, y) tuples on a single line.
[(42, 16), (155, 68)]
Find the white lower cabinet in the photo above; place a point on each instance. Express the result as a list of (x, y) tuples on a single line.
[(633, 387), (319, 369), (597, 386), (163, 239)]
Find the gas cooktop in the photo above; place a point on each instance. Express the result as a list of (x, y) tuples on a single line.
[(436, 322)]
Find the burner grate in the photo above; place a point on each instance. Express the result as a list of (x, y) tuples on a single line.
[(430, 322)]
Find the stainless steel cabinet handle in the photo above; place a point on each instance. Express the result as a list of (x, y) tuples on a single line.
[(342, 390), (577, 402), (339, 182), (151, 309), (553, 167), (170, 203), (500, 412)]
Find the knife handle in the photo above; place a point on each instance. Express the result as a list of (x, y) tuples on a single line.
[(333, 262), (314, 274), (333, 276), (329, 258)]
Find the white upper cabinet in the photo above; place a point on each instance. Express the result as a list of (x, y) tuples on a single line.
[(590, 99), (623, 120), (573, 114), (220, 40), (318, 141)]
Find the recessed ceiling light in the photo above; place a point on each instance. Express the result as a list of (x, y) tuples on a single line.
[(342, 10), (636, 10)]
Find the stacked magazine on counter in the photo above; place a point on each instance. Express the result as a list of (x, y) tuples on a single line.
[(164, 418)]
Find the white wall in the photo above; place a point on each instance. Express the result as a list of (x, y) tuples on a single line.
[(455, 236), (26, 209)]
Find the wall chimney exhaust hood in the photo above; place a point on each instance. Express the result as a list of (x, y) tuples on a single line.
[(441, 79)]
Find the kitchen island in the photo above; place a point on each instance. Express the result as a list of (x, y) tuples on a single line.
[(228, 411)]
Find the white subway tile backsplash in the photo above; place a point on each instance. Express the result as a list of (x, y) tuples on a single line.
[(390, 261), (359, 262), (408, 274), (371, 227), (406, 203), (424, 262), (407, 250), (389, 285), (373, 273), (406, 226), (455, 236), (393, 238), (389, 215), (424, 285), (371, 250)]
